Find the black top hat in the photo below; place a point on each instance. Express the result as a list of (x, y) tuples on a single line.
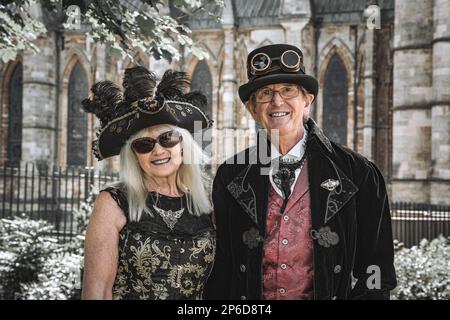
[(276, 63), (122, 115)]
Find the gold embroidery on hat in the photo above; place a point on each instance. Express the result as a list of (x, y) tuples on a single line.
[(130, 122)]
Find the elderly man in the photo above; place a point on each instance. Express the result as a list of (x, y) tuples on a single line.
[(319, 216)]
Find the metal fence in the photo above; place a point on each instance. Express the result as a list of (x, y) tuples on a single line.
[(412, 222), (53, 193), (48, 192)]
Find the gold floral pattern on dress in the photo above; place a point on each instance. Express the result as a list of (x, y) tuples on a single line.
[(154, 267), (121, 288), (142, 258), (160, 291), (184, 277), (203, 246), (141, 288)]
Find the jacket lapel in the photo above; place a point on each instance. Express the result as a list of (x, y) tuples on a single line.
[(330, 188), (340, 190), (250, 190)]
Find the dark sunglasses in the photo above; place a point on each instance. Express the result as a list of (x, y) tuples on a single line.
[(167, 139)]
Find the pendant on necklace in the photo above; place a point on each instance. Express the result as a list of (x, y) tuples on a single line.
[(169, 217)]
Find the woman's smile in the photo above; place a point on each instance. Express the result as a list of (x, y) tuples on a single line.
[(159, 162)]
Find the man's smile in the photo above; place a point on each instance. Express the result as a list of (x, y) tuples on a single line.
[(279, 114)]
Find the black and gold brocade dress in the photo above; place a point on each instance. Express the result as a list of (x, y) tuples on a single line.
[(163, 258)]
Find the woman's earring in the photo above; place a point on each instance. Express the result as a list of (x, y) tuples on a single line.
[(181, 152)]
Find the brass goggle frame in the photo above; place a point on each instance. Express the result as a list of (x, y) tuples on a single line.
[(283, 64)]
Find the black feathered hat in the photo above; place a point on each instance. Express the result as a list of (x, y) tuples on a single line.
[(123, 114)]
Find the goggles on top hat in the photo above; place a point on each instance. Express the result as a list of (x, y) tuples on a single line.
[(290, 61)]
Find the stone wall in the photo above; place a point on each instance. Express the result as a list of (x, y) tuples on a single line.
[(421, 140), (440, 112)]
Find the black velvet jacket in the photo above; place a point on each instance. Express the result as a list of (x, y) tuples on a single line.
[(351, 225)]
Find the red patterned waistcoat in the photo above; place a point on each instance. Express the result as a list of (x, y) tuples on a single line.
[(288, 248)]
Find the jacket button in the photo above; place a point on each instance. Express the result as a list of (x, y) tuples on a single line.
[(243, 298), (337, 269), (283, 266), (242, 268), (285, 241), (282, 291), (334, 298)]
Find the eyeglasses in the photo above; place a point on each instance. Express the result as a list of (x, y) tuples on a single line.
[(167, 139), (266, 94), (290, 61)]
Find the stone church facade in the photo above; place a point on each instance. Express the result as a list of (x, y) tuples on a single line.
[(384, 92)]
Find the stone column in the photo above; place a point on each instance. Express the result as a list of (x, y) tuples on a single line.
[(3, 141), (39, 102), (228, 76), (369, 95), (412, 98), (440, 112), (228, 79), (224, 140)]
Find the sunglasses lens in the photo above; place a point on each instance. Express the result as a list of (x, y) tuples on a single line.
[(169, 139), (144, 145)]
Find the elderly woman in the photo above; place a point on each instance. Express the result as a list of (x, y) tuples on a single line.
[(150, 236)]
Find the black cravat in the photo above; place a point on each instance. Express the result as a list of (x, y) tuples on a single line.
[(285, 176)]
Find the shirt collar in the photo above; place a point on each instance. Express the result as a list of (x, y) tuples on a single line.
[(296, 152)]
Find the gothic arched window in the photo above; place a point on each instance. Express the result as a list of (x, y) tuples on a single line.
[(335, 93), (76, 118), (202, 81), (15, 88)]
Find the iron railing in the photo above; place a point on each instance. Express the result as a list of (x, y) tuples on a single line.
[(48, 192)]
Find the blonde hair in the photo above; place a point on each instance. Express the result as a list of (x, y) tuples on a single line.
[(191, 179)]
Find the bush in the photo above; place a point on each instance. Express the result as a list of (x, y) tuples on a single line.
[(59, 279), (24, 248), (33, 265), (423, 271)]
